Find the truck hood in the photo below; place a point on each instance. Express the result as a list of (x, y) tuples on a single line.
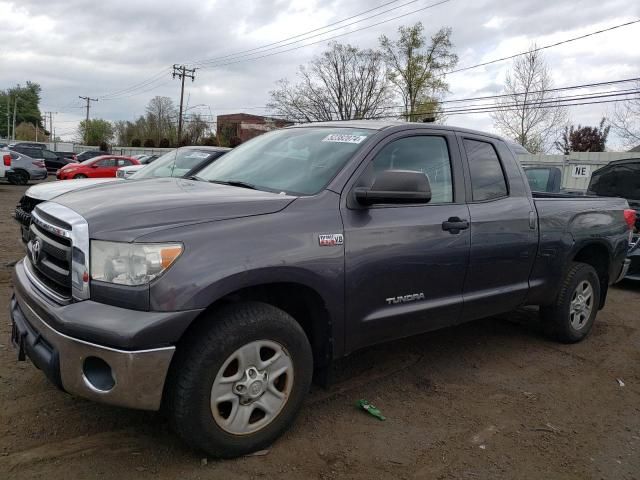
[(123, 211), (49, 190)]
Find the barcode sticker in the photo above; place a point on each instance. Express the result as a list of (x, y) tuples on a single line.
[(339, 138)]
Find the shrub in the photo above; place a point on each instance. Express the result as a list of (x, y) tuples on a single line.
[(149, 143), (136, 142)]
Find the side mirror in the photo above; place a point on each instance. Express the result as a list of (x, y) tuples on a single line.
[(396, 187)]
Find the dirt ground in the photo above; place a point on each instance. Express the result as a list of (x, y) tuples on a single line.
[(487, 400)]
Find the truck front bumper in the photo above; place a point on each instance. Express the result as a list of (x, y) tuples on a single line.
[(125, 377)]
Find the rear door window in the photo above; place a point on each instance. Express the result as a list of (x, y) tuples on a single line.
[(487, 177)]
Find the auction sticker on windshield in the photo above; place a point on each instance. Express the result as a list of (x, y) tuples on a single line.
[(340, 138), (197, 155)]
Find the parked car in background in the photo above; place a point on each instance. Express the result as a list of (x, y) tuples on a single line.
[(5, 163), (28, 145), (176, 163), (165, 164), (218, 296), (621, 178), (87, 154), (24, 169), (68, 155), (52, 160), (99, 167)]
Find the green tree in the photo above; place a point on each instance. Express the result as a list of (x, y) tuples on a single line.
[(416, 67), (95, 132), (26, 100)]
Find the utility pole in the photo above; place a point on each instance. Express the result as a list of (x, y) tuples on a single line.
[(8, 117), (15, 107), (86, 125), (50, 114), (181, 72)]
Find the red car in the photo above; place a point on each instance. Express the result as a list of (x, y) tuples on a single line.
[(97, 167)]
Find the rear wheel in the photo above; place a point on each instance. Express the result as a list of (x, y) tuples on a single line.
[(238, 381), (80, 175), (570, 318), (18, 177)]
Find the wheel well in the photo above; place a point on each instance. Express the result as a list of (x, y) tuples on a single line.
[(597, 256), (304, 304)]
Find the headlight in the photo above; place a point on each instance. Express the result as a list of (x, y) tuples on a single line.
[(131, 263)]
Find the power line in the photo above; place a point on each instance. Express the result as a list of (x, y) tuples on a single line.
[(330, 38), (484, 97), (568, 40), (155, 78), (214, 60), (138, 85), (299, 35)]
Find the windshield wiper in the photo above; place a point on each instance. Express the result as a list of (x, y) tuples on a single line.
[(195, 177), (235, 183)]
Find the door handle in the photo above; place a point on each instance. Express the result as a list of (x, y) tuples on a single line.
[(454, 225)]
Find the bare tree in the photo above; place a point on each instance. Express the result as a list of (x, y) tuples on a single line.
[(416, 69), (343, 83), (160, 118), (625, 120), (529, 113)]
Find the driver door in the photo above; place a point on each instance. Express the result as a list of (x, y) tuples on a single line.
[(404, 270)]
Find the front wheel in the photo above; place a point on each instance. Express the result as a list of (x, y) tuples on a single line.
[(570, 318), (239, 380), (19, 177)]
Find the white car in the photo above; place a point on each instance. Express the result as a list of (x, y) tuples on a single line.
[(126, 172), (5, 165)]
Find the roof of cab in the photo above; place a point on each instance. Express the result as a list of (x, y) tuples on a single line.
[(398, 124)]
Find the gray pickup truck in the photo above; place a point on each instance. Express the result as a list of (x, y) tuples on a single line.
[(217, 297)]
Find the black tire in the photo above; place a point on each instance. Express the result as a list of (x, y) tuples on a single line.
[(18, 177), (80, 175), (201, 356), (557, 317)]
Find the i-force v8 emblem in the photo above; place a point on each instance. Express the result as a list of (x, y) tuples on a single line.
[(330, 239)]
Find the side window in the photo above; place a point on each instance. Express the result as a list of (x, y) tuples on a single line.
[(487, 177), (123, 163), (426, 154), (107, 162), (49, 155)]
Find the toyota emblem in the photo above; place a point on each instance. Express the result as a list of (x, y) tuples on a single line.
[(36, 250)]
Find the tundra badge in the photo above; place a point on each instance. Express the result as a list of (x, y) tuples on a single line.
[(405, 298)]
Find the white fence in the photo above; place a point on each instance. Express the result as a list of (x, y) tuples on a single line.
[(576, 167)]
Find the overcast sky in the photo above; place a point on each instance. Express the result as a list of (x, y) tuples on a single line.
[(85, 47)]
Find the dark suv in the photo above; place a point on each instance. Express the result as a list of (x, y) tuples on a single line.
[(52, 160)]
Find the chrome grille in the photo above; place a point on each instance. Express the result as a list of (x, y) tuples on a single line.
[(58, 253)]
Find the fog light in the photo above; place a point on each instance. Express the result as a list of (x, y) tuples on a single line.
[(98, 374)]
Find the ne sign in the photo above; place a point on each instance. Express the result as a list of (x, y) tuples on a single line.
[(581, 171)]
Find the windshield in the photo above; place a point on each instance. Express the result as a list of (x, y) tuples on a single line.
[(297, 160), (175, 163)]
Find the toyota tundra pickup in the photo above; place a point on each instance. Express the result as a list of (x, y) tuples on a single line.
[(217, 297)]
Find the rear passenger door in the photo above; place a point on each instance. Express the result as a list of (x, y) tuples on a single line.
[(105, 168), (503, 229)]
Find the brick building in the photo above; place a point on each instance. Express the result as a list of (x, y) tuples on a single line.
[(246, 126)]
